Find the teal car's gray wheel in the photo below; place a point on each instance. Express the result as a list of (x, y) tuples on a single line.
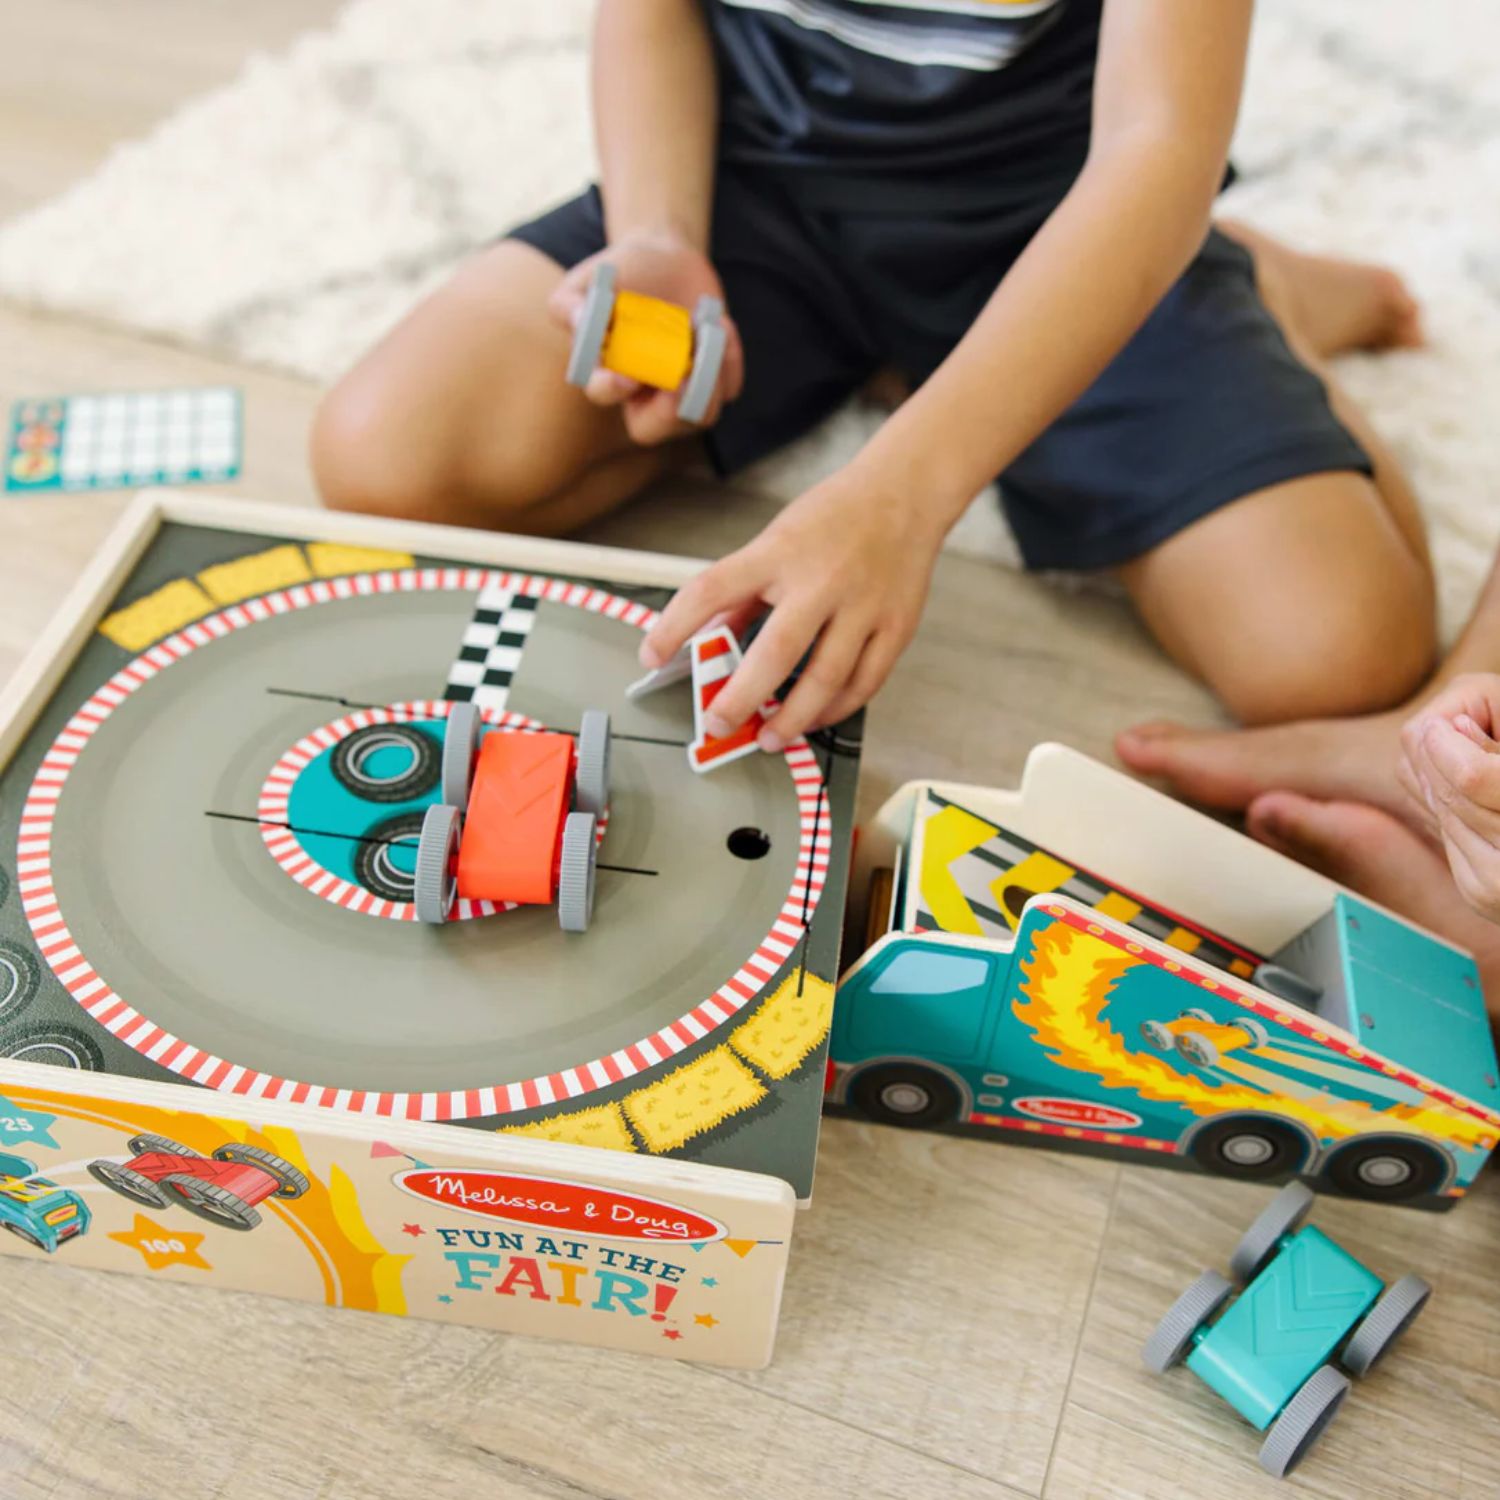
[(209, 1201), (437, 855), (1260, 1242), (592, 326), (1394, 1312), (1302, 1420), (592, 785), (1173, 1336), (575, 876), (290, 1183), (143, 1145), (129, 1184), (460, 744)]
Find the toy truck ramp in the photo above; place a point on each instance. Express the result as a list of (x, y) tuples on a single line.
[(1030, 987)]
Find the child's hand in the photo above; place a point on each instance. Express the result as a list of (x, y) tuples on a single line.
[(1450, 767), (659, 265), (843, 566)]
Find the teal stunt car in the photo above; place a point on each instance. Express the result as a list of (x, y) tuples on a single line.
[(36, 1210), (1306, 1306)]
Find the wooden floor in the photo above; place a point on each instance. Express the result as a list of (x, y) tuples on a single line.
[(962, 1318)]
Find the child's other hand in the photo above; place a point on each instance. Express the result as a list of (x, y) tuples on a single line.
[(1450, 767), (658, 265), (844, 566)]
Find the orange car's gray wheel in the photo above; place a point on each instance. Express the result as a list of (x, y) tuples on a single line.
[(576, 873), (437, 853)]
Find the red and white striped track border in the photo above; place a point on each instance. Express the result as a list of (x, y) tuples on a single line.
[(78, 976)]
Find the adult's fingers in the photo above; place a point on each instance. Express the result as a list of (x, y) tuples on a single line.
[(1456, 768), (827, 674), (731, 585), (1475, 863), (651, 417), (789, 630)]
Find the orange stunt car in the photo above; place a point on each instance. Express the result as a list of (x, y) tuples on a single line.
[(518, 820)]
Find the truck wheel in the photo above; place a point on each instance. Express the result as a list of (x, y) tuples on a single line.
[(142, 1145), (128, 1183), (1197, 1048), (905, 1094), (460, 743), (436, 883), (1379, 1329), (290, 1183), (592, 782), (209, 1201), (1250, 1147), (1156, 1035), (1387, 1168), (1302, 1421), (1262, 1239), (575, 875), (351, 762), (1172, 1338)]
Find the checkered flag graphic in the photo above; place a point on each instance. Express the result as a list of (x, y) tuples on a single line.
[(491, 649)]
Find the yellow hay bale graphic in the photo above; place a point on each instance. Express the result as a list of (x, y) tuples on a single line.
[(602, 1126), (245, 577), (787, 1027), (331, 559), (693, 1099), (1066, 983), (148, 620)]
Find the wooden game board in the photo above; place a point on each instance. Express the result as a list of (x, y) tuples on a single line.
[(173, 917)]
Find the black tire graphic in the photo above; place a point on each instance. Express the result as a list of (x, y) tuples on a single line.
[(422, 767), (1387, 1168), (374, 865), (1251, 1147), (57, 1045), (20, 975)]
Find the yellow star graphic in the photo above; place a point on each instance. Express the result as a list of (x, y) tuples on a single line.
[(707, 1320), (163, 1247)]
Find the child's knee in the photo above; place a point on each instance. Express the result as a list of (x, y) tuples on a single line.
[(1338, 656), (363, 456)]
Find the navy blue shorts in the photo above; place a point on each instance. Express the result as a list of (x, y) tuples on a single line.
[(1206, 403)]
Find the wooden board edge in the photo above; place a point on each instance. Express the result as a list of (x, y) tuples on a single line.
[(495, 548), (55, 649)]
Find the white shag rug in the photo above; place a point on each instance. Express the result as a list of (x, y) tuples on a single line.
[(290, 217)]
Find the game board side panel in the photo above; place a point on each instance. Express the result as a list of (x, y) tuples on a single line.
[(433, 1221), (53, 652)]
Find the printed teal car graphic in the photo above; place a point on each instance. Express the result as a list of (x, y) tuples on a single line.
[(37, 1210)]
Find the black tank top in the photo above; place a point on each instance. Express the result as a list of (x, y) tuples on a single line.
[(907, 105)]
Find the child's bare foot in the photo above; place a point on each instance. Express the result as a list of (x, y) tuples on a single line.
[(1335, 305), (1380, 857), (1228, 768)]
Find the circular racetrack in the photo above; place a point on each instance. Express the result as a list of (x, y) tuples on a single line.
[(183, 934)]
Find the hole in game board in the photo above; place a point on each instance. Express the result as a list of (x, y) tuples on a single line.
[(748, 843)]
